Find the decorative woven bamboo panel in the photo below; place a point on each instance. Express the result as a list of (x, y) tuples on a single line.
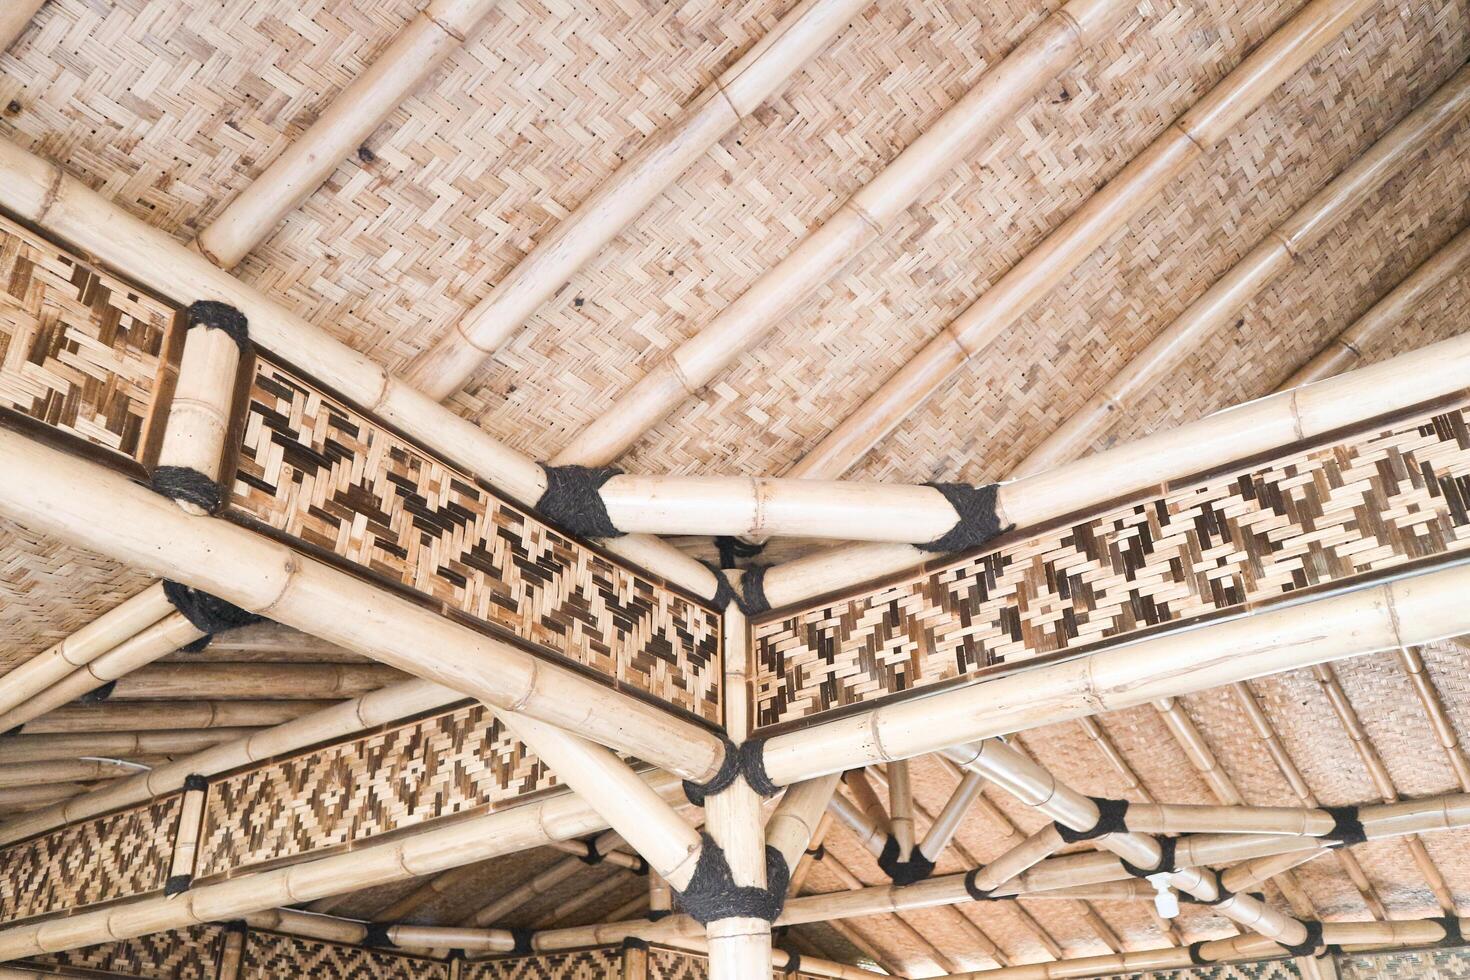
[(604, 963), (269, 956), (117, 855), (1425, 964), (455, 762), (1277, 970), (81, 352), (184, 954), (1326, 516), (318, 472)]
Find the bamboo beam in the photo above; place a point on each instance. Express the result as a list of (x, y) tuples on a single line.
[(128, 716), (67, 770), (1123, 198), (42, 193), (793, 825), (421, 46), (15, 17), (964, 127), (85, 504), (437, 886), (1412, 664), (569, 907), (1412, 609), (338, 930), (114, 745), (801, 34), (1220, 305), (537, 884), (943, 827), (247, 682)]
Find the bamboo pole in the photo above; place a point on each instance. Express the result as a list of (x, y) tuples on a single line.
[(247, 682), (1221, 303), (82, 503), (1123, 198), (1412, 664), (964, 127), (430, 36), (435, 887), (68, 770), (801, 34), (558, 817), (41, 192), (13, 798), (869, 833), (114, 745), (942, 829), (54, 664), (1415, 608), (199, 412), (15, 17), (813, 850), (1248, 875), (338, 930), (537, 884), (126, 716), (1343, 352), (901, 807), (866, 946), (571, 906), (793, 825)]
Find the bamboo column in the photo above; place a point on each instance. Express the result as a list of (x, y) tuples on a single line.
[(998, 95), (805, 30), (1123, 198), (431, 36), (1221, 303), (15, 17), (83, 503)]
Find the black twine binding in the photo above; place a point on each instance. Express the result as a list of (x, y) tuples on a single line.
[(209, 614), (1195, 956), (189, 485), (753, 767), (633, 942), (657, 914), (1167, 846), (1451, 926), (522, 939), (751, 599), (721, 780), (818, 852), (712, 893), (972, 887), (593, 855), (1347, 828), (978, 521), (572, 499), (220, 316), (916, 868), (100, 694), (793, 962), (1311, 946), (732, 549), (377, 935), (1112, 818), (195, 782), (177, 885)]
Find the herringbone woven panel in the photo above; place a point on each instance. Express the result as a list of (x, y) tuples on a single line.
[(1366, 504), (461, 761), (319, 472), (184, 954), (586, 964), (269, 956), (118, 855)]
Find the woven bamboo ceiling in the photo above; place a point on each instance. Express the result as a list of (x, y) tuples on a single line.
[(171, 108)]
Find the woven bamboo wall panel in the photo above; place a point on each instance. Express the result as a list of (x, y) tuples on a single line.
[(584, 964), (269, 956), (1278, 970), (117, 855), (1370, 503), (184, 954), (319, 472), (80, 352), (450, 763), (1424, 964)]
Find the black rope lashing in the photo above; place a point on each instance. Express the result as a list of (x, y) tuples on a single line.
[(1451, 926), (750, 598), (916, 868), (100, 694), (728, 772), (732, 550), (973, 889), (1195, 955), (1311, 946), (793, 963), (209, 614), (220, 316), (593, 855), (189, 485), (753, 767), (642, 867), (522, 939), (572, 499), (377, 935), (1112, 818), (15, 730), (978, 521), (195, 782), (177, 885), (818, 852), (1167, 846), (712, 893), (1347, 828), (657, 914), (633, 942)]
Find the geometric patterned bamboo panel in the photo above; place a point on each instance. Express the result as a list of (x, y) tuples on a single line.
[(1369, 503), (456, 762), (269, 956), (605, 963), (1275, 970), (185, 954), (1426, 964), (674, 964), (81, 353), (117, 855), (319, 473)]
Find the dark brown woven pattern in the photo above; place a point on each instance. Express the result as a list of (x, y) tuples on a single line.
[(269, 956), (80, 351), (1366, 504), (671, 964), (1279, 970), (321, 473), (184, 954), (118, 855), (1421, 965), (585, 964), (457, 762)]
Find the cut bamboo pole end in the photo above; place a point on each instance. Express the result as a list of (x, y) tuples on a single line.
[(199, 414)]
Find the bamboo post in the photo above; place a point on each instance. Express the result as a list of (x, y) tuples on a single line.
[(186, 839), (54, 664), (193, 446), (803, 32), (901, 807), (85, 504), (40, 192), (998, 95), (15, 17), (1123, 198), (232, 952), (1221, 303), (1409, 610), (660, 895), (430, 36)]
